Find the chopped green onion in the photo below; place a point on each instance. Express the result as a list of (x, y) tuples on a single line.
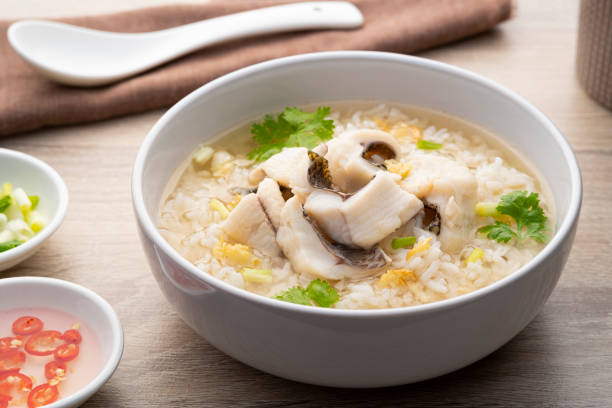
[(6, 235), (21, 229), (13, 212), (5, 246), (203, 155), (403, 242), (7, 189), (34, 200), (256, 275), (22, 200), (19, 221), (5, 202), (487, 209), (36, 220), (426, 145)]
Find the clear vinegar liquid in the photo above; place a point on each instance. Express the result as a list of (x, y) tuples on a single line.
[(80, 371)]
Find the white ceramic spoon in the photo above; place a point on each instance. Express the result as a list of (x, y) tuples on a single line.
[(84, 57)]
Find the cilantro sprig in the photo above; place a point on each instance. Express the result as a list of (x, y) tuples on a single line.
[(318, 291), (292, 128), (524, 208)]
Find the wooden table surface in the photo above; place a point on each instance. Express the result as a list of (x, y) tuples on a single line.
[(563, 358)]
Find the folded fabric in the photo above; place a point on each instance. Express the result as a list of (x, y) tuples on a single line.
[(29, 101)]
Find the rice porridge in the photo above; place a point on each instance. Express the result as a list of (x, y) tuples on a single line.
[(360, 205)]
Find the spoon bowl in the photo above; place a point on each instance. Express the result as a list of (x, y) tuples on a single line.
[(84, 57)]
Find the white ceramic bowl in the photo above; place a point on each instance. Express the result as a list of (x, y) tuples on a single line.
[(79, 302), (36, 178), (354, 348)]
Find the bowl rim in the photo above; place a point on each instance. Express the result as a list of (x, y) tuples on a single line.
[(109, 367), (150, 230), (58, 216)]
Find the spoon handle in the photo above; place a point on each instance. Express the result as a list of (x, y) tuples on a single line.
[(291, 17)]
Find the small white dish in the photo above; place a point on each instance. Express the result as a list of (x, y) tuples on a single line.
[(36, 178), (84, 304)]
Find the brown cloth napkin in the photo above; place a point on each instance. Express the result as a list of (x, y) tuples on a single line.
[(29, 101)]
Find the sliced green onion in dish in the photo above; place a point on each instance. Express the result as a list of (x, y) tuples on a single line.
[(427, 145), (21, 199), (5, 246), (403, 242), (19, 219), (7, 189), (5, 202), (35, 220), (34, 200)]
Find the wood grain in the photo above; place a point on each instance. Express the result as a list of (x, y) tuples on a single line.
[(563, 358)]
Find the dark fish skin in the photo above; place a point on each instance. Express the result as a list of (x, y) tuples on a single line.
[(318, 172), (243, 190), (285, 192), (319, 175), (377, 152), (373, 258), (431, 218)]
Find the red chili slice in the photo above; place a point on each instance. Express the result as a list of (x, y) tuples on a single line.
[(66, 352), (12, 384), (55, 369), (72, 336), (4, 400), (11, 360), (10, 343), (44, 343), (27, 325), (42, 395)]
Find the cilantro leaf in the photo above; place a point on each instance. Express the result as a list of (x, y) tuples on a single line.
[(500, 232), (322, 293), (292, 128), (5, 246), (295, 295), (5, 202), (319, 291), (524, 208)]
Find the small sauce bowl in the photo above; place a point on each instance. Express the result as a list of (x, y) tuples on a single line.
[(80, 302), (36, 178)]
